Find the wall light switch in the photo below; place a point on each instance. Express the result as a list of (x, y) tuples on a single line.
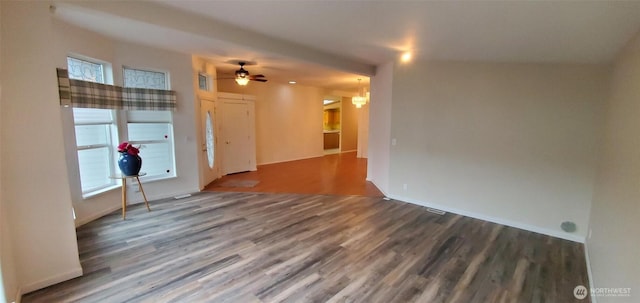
[(393, 141)]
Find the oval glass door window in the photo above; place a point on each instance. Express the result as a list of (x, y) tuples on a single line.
[(210, 140)]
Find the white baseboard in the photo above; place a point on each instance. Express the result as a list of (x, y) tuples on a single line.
[(380, 188), (98, 215), (139, 199), (76, 272), (536, 229), (18, 297), (136, 200), (589, 272), (289, 160), (348, 151)]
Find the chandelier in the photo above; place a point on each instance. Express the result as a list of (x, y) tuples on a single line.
[(361, 98)]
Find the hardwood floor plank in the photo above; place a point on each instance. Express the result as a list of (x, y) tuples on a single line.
[(253, 247)]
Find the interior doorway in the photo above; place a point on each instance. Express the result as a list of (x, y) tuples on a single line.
[(331, 125)]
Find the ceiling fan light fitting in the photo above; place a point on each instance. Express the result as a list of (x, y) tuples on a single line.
[(242, 80)]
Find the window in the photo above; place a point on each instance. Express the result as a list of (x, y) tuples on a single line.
[(210, 140), (152, 130), (85, 70), (95, 131), (98, 130), (203, 82)]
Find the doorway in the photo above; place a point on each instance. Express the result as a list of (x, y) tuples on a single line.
[(331, 125)]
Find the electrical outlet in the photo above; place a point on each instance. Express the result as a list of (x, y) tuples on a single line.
[(404, 186), (394, 141)]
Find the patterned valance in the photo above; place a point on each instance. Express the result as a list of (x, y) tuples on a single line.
[(78, 93)]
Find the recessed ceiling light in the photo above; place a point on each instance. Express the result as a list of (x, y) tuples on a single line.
[(406, 57), (292, 82)]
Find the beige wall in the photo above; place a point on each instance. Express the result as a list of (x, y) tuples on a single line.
[(615, 214), (288, 119), (349, 126), (35, 186), (8, 278), (510, 143)]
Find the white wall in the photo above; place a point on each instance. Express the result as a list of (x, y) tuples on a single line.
[(615, 214), (510, 143), (35, 186), (380, 127), (288, 119)]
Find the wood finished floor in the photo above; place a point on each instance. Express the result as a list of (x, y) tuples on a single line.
[(337, 174), (251, 247)]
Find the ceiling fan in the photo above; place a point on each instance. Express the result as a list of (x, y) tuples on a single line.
[(243, 77)]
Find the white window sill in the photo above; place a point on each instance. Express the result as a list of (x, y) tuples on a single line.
[(147, 179), (101, 191)]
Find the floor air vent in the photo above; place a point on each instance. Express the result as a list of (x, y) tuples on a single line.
[(436, 211)]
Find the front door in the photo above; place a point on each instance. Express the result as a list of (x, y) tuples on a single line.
[(209, 170), (237, 141)]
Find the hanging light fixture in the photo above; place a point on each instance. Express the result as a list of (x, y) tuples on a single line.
[(360, 99), (242, 75), (242, 80)]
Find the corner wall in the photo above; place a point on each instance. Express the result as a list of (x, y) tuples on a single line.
[(615, 214), (8, 279), (35, 186), (514, 144), (380, 127)]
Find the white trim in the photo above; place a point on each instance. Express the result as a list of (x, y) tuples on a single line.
[(536, 229), (74, 273), (348, 151), (296, 159), (101, 191), (380, 188), (18, 297), (589, 272), (151, 198), (98, 215), (118, 206)]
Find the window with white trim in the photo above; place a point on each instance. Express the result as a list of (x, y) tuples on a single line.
[(96, 131), (152, 130)]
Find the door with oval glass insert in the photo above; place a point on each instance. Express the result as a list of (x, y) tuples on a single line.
[(209, 152)]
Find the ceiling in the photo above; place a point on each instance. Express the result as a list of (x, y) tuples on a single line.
[(331, 44)]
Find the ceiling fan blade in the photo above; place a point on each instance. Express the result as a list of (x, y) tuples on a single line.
[(259, 80), (258, 76)]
